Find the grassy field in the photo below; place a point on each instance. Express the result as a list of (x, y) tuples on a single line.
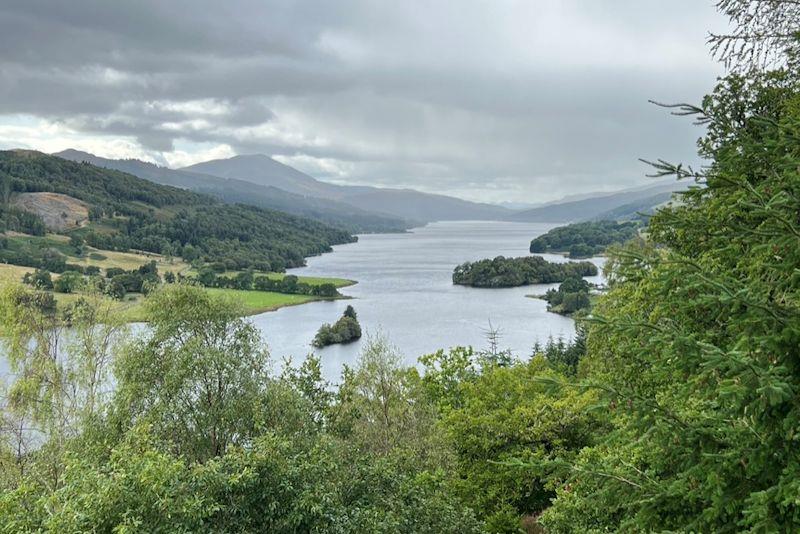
[(13, 273), (129, 260), (131, 309), (262, 301), (99, 258)]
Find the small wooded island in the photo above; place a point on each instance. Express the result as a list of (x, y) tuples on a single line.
[(572, 296), (512, 272), (582, 240), (345, 330)]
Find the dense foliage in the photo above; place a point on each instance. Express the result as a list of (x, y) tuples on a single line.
[(18, 220), (116, 283), (503, 421), (510, 272), (127, 212), (345, 330), (581, 240), (198, 436), (571, 296), (696, 347)]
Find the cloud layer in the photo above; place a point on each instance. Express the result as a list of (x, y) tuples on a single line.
[(501, 100)]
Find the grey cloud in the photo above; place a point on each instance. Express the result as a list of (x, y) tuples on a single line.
[(476, 98)]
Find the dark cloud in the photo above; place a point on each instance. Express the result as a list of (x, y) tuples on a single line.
[(497, 100)]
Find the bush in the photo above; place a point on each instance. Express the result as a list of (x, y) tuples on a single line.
[(68, 282), (40, 279)]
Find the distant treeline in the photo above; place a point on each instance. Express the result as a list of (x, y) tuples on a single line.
[(581, 240), (247, 280), (127, 212), (511, 272)]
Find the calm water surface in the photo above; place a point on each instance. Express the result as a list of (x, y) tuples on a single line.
[(405, 293)]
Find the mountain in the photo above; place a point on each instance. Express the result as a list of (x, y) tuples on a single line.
[(424, 206), (636, 210), (265, 171), (667, 183), (404, 203), (127, 212), (517, 206), (346, 216), (594, 207)]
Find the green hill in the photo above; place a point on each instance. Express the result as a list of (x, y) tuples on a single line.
[(328, 211), (126, 212), (582, 240)]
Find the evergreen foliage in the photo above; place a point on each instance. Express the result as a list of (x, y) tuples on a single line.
[(695, 348), (571, 296)]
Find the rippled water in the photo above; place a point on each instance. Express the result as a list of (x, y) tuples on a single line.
[(405, 292)]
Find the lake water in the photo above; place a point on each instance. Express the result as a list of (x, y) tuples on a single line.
[(405, 293)]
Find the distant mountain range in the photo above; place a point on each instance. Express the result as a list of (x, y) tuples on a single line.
[(261, 181), (405, 203), (603, 206)]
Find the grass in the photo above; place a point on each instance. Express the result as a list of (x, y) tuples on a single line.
[(262, 301), (128, 261), (13, 273), (131, 309)]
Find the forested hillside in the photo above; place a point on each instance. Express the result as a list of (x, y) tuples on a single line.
[(640, 210), (127, 212), (581, 240), (328, 211)]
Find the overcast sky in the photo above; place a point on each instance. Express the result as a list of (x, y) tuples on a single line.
[(489, 100)]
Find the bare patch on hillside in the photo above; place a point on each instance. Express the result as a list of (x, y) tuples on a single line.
[(59, 212)]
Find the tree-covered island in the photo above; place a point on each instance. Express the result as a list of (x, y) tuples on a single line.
[(512, 272), (345, 330)]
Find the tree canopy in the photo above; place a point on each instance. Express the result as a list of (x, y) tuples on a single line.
[(582, 240), (510, 272)]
